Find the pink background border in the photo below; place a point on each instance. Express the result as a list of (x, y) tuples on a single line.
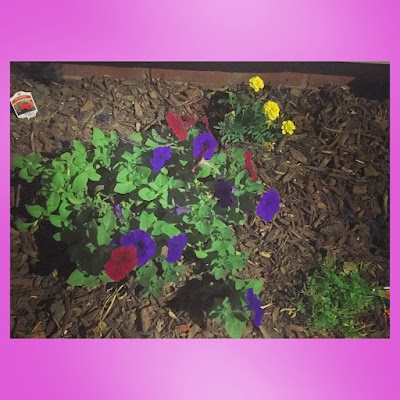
[(210, 30)]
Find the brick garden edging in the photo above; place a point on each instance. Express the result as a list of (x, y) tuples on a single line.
[(214, 75)]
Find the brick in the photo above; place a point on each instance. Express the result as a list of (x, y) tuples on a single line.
[(206, 78), (316, 80), (89, 70)]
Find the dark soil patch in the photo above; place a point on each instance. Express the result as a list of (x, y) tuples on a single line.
[(332, 176)]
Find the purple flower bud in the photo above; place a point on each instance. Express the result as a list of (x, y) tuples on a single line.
[(254, 304)]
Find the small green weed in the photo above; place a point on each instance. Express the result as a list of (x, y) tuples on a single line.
[(339, 298)]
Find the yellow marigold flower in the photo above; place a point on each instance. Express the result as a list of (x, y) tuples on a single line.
[(256, 83), (288, 127), (269, 145), (271, 110)]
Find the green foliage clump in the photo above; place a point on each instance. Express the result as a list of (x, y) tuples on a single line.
[(339, 298), (80, 189)]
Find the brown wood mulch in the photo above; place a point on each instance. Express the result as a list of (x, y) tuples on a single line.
[(332, 176)]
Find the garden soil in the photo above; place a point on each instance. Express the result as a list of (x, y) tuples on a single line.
[(332, 175)]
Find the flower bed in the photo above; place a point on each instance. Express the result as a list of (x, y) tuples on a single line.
[(163, 197)]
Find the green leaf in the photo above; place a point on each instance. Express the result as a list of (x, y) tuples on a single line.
[(126, 212), (204, 171), (157, 228), (239, 283), (237, 155), (144, 172), (109, 220), (36, 211), (145, 273), (25, 175), (57, 236), (103, 238), (124, 188), (157, 137), (201, 254), (19, 162), (64, 213), (75, 201), (93, 175), (203, 227), (58, 180), (146, 220), (56, 220), (234, 327), (53, 202), (170, 230), (151, 144), (161, 180), (80, 182), (98, 138), (79, 147), (91, 281), (193, 133), (137, 137), (33, 158), (104, 277), (23, 226), (253, 187), (123, 175), (77, 278), (219, 272), (254, 284), (240, 176), (66, 156), (147, 194)]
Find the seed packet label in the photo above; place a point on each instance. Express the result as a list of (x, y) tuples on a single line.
[(23, 104)]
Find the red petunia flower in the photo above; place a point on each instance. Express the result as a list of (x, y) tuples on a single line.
[(205, 121), (188, 121), (250, 166), (122, 261), (177, 125)]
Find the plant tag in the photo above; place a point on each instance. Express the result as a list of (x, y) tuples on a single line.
[(23, 104)]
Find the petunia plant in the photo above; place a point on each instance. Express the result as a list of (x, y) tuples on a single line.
[(148, 206), (251, 119)]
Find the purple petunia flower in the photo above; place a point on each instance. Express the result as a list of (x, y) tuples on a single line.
[(175, 247), (268, 205), (204, 145), (223, 192), (118, 211), (160, 156), (145, 245), (181, 210), (254, 304)]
